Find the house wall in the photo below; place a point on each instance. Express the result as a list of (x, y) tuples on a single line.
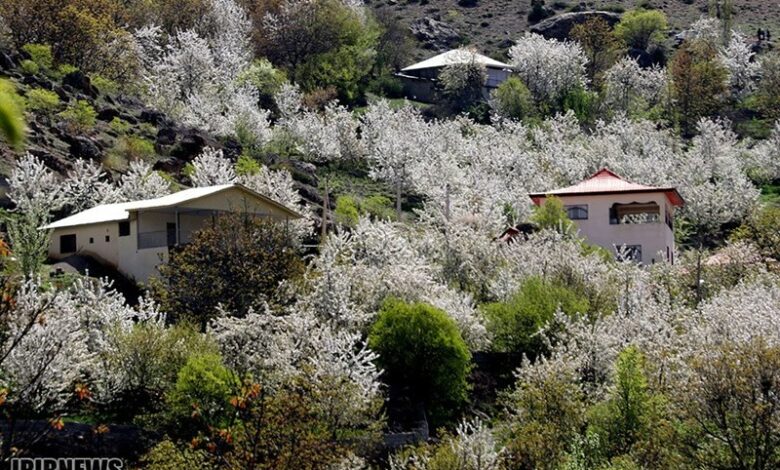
[(420, 85), (105, 251), (654, 238)]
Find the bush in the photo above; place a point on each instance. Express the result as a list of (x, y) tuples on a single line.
[(105, 85), (202, 391), (512, 99), (131, 148), (29, 67), (80, 117), (387, 85), (538, 11), (41, 55), (378, 206), (582, 102), (515, 323), (346, 211), (462, 84), (119, 125), (11, 118), (422, 352), (552, 215), (42, 101), (168, 456), (639, 28), (238, 261), (762, 229), (267, 79)]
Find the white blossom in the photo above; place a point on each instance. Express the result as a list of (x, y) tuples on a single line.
[(737, 56), (141, 182), (211, 168), (548, 67)]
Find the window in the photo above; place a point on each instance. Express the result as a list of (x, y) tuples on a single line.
[(124, 229), (630, 253), (634, 213), (108, 239), (577, 212), (91, 240), (68, 243)]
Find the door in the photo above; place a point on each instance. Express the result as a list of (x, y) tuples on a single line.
[(170, 230)]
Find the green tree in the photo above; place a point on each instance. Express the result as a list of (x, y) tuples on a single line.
[(513, 99), (202, 392), (423, 353), (267, 79), (639, 28), (551, 214), (767, 96), (514, 324), (762, 229), (699, 83), (237, 261), (601, 46), (347, 211)]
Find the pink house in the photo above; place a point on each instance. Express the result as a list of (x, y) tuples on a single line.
[(614, 213)]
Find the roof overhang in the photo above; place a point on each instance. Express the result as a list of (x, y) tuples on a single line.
[(672, 195)]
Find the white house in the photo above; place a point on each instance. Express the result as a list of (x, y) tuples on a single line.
[(613, 213), (134, 237), (420, 79)]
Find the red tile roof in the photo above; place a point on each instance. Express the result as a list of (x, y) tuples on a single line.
[(605, 181)]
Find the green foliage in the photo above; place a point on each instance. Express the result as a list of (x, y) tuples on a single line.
[(237, 261), (346, 211), (582, 102), (11, 120), (29, 67), (544, 416), (119, 125), (202, 391), (731, 407), (762, 229), (267, 79), (767, 96), (80, 116), (513, 99), (338, 52), (246, 165), (378, 206), (698, 83), (149, 357), (131, 148), (639, 28), (387, 86), (601, 46), (421, 350), (29, 244), (552, 215), (105, 85), (41, 55), (42, 101), (515, 323), (166, 455)]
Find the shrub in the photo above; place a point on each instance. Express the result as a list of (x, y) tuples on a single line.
[(29, 67), (638, 28), (422, 351), (762, 229), (551, 215), (105, 85), (512, 99), (267, 79), (346, 211), (237, 261), (378, 206), (246, 165), (42, 101), (41, 55), (168, 456), (11, 118), (387, 85), (538, 11), (462, 83), (131, 148), (515, 323), (203, 390), (582, 102), (80, 116), (119, 125)]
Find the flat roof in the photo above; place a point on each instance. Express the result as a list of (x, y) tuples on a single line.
[(121, 211)]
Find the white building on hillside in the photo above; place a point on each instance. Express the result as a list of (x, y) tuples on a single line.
[(420, 79), (134, 237), (614, 213)]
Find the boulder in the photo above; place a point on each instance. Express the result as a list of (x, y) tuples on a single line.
[(435, 34), (6, 62), (153, 117), (83, 147), (170, 165), (77, 80), (166, 136), (107, 114), (191, 144), (559, 26)]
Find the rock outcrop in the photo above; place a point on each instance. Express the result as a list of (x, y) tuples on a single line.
[(435, 34), (559, 26)]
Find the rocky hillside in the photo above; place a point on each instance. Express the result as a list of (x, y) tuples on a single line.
[(491, 25)]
